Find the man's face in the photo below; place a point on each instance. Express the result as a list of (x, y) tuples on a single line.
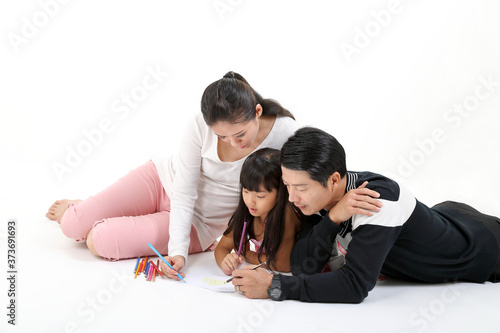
[(305, 193)]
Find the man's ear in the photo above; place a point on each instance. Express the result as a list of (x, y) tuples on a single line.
[(334, 180)]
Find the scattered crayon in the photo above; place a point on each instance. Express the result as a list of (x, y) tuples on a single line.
[(137, 267), (149, 268), (137, 264)]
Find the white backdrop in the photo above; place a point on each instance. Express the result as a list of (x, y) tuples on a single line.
[(92, 89), (379, 75)]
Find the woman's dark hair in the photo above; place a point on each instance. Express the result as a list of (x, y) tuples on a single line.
[(231, 99), (261, 169), (316, 152)]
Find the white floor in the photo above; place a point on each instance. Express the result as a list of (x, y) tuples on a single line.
[(62, 287), (410, 88)]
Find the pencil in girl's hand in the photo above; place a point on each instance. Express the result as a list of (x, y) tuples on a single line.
[(242, 235)]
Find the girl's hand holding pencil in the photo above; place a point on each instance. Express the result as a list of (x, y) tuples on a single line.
[(231, 262)]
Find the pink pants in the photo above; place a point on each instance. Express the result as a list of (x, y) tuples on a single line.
[(125, 217)]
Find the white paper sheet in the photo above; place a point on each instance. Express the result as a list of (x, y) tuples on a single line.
[(209, 276)]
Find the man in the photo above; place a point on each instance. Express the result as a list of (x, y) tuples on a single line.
[(395, 234)]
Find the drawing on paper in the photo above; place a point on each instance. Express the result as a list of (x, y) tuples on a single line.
[(213, 281)]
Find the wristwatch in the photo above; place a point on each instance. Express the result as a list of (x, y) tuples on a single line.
[(274, 292)]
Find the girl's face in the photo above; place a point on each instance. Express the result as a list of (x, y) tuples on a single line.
[(239, 135), (260, 203)]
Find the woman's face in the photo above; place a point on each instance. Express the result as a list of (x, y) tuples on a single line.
[(239, 135)]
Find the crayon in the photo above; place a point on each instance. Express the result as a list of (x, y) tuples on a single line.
[(137, 268), (137, 264)]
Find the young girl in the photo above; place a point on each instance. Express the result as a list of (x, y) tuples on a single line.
[(170, 203), (272, 222)]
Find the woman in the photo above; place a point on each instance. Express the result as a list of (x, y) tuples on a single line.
[(181, 205)]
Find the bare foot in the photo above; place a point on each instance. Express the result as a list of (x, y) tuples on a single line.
[(56, 211)]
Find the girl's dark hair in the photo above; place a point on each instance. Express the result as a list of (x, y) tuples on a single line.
[(316, 152), (261, 169), (231, 99)]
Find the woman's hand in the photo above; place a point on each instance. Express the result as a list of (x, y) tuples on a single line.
[(231, 262), (177, 263)]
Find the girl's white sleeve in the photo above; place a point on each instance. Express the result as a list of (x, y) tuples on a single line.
[(185, 188)]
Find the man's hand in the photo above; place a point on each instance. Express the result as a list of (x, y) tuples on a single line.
[(252, 283), (177, 263), (357, 201)]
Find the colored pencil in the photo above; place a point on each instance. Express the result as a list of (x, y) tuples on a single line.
[(242, 235), (137, 264), (150, 273), (141, 266), (166, 262), (137, 268), (156, 268)]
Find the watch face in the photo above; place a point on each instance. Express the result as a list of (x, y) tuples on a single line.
[(275, 293)]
